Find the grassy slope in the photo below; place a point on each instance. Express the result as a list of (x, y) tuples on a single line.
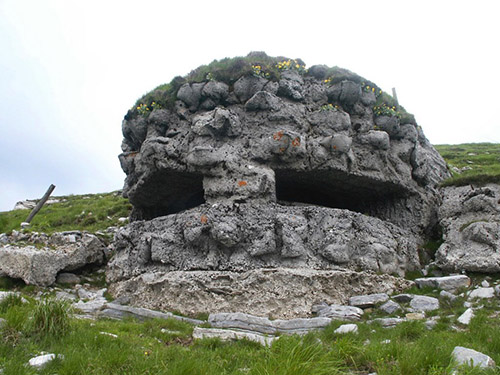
[(89, 212), (480, 163)]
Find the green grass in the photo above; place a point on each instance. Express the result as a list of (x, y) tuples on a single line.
[(482, 161), (166, 347), (91, 212)]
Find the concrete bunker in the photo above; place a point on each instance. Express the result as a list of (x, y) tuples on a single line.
[(335, 189), (168, 192)]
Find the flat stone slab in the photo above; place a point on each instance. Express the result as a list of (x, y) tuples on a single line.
[(446, 282), (466, 317), (424, 303), (471, 357), (347, 328), (368, 300), (41, 361), (116, 311), (388, 322), (340, 312), (229, 334), (264, 325), (482, 293)]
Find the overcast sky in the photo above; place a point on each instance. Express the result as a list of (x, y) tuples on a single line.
[(70, 70)]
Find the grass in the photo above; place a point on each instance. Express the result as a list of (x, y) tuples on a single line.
[(166, 347), (477, 163), (91, 212)]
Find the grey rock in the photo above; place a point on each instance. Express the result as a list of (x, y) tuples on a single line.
[(340, 312), (497, 290), (264, 325), (65, 296), (485, 284), (447, 295), (424, 303), (262, 100), (41, 361), (377, 139), (369, 300), (389, 124), (470, 221), (390, 307), (67, 278), (231, 335), (318, 71), (347, 328), (91, 307), (466, 317), (466, 356), (281, 293), (290, 85), (117, 311), (481, 293), (190, 94), (453, 282), (387, 322), (350, 92), (246, 87), (41, 266)]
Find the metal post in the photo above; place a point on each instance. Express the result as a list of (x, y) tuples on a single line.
[(39, 205)]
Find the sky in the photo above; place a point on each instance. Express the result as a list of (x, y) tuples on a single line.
[(70, 70)]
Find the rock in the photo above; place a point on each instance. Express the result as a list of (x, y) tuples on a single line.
[(415, 316), (41, 361), (41, 266), (282, 293), (387, 322), (424, 303), (91, 307), (227, 335), (481, 293), (339, 312), (65, 296), (347, 328), (368, 300), (67, 278), (274, 178), (466, 317), (497, 290), (446, 282), (390, 307), (470, 218), (447, 295), (485, 284), (465, 356), (430, 324), (117, 311), (264, 325)]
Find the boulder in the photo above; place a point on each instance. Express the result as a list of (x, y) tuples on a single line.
[(347, 328), (231, 335), (40, 266), (369, 300), (339, 312), (471, 357), (482, 293), (470, 218), (453, 282), (424, 303)]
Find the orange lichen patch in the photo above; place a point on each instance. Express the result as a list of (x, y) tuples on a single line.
[(134, 153), (282, 149), (277, 136), (204, 219), (242, 183), (334, 147), (296, 142)]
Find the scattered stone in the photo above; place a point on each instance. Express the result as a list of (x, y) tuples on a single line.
[(113, 310), (264, 325), (368, 300), (482, 293), (497, 290), (109, 334), (447, 295), (430, 324), (65, 296), (41, 361), (485, 284), (340, 312), (415, 316), (424, 303), (471, 357), (446, 282), (91, 307), (385, 342), (390, 307), (347, 328), (466, 317), (67, 278), (227, 334), (387, 322)]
